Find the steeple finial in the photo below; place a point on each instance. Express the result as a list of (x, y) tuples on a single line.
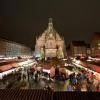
[(50, 20), (50, 24)]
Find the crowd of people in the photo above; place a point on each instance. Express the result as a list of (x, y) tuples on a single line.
[(83, 81)]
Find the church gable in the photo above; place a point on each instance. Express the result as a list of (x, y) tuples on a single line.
[(50, 42)]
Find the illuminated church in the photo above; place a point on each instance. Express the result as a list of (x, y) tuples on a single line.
[(49, 43)]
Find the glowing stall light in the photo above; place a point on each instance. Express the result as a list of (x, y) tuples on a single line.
[(71, 58), (89, 57), (27, 63), (97, 58), (89, 60), (23, 63), (31, 64), (77, 61), (66, 64), (64, 59), (68, 72), (98, 44), (14, 57), (47, 71), (6, 73), (74, 60), (6, 58), (1, 58), (99, 48)]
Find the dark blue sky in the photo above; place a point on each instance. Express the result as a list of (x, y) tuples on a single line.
[(74, 19)]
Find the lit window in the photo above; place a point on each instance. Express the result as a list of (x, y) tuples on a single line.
[(98, 44)]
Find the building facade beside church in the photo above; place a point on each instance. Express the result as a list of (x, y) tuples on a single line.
[(95, 45), (13, 49), (49, 43)]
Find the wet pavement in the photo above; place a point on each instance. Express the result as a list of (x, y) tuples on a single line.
[(39, 84)]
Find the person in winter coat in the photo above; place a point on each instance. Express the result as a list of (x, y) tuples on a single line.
[(69, 88)]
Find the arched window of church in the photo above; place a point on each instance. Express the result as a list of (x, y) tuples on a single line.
[(50, 43)]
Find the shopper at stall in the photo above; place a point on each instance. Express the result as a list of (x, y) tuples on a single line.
[(69, 88)]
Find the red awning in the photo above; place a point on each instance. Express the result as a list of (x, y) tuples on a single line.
[(98, 69), (92, 67), (14, 65), (5, 67)]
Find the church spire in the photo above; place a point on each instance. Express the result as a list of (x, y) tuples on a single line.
[(50, 20), (50, 24)]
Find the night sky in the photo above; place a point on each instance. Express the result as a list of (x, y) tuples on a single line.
[(23, 20)]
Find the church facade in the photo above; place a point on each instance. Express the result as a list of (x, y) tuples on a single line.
[(49, 43)]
